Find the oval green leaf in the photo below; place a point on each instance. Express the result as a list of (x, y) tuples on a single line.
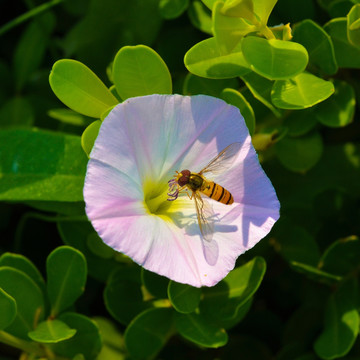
[(89, 136), (152, 328), (302, 91), (157, 285), (341, 257), (339, 109), (206, 60), (227, 297), (66, 276), (353, 25), (300, 154), (29, 300), (318, 44), (194, 85), (23, 264), (300, 122), (51, 331), (171, 9), (347, 55), (86, 341), (123, 296), (261, 88), (341, 325), (234, 97), (139, 70), (200, 16), (80, 89), (70, 117), (8, 309), (183, 297), (200, 330), (274, 59)]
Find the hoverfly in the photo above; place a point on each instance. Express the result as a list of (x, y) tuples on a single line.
[(198, 184)]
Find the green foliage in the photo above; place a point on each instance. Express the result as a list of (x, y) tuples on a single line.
[(296, 86)]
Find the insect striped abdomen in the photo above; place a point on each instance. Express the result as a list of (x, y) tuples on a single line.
[(217, 192)]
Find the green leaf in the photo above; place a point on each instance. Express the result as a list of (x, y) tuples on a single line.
[(194, 85), (80, 89), (41, 165), (16, 112), (229, 30), (274, 59), (156, 284), (300, 154), (89, 136), (86, 341), (8, 309), (339, 109), (200, 331), (347, 55), (23, 264), (77, 234), (261, 88), (209, 3), (300, 122), (302, 91), (113, 347), (315, 274), (68, 116), (51, 331), (171, 9), (353, 25), (341, 257), (205, 59), (341, 326), (226, 298), (200, 16), (31, 48), (152, 328), (98, 247), (123, 296), (318, 44), (294, 243), (139, 70), (184, 298), (235, 98), (28, 297), (66, 276)]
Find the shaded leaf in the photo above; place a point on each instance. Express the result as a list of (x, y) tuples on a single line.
[(8, 309), (66, 276), (184, 298), (41, 165), (153, 327)]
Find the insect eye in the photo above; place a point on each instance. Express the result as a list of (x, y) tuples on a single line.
[(183, 180)]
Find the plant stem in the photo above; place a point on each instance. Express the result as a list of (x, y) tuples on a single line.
[(28, 15)]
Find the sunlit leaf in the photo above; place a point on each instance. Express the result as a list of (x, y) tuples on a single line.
[(89, 136), (80, 89), (139, 70), (51, 331), (274, 59), (353, 25), (200, 16), (300, 92), (206, 59)]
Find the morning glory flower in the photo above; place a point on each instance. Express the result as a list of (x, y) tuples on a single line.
[(140, 146)]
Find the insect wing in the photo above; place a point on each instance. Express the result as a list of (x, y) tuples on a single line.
[(223, 160), (205, 216)]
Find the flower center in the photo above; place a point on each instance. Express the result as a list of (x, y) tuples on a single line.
[(155, 198)]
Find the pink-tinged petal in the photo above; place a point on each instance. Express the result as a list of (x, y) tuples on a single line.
[(144, 141)]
